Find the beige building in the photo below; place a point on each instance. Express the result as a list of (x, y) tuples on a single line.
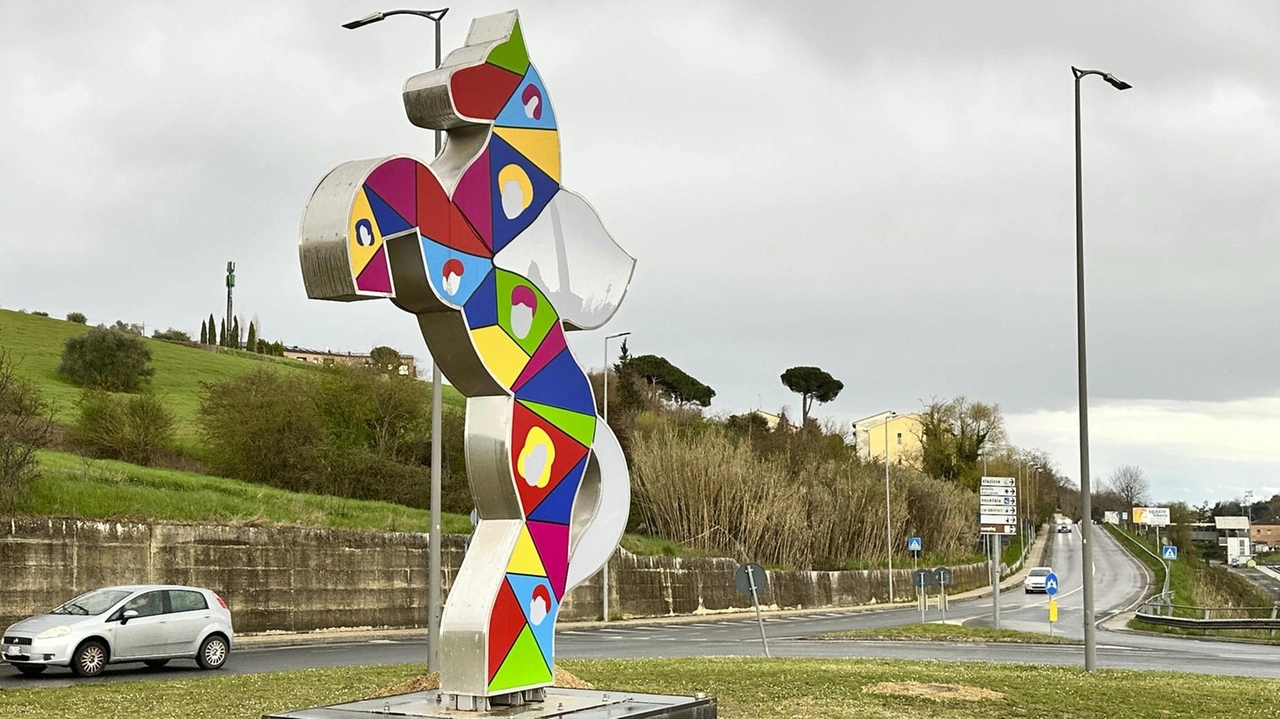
[(1268, 534), (408, 368), (901, 432)]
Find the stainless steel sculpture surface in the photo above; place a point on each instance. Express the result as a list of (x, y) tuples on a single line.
[(497, 260)]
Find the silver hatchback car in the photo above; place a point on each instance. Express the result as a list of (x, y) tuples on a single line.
[(136, 623)]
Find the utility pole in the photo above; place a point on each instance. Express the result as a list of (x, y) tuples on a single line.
[(231, 285)]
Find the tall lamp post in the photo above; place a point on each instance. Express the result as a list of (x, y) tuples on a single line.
[(1086, 505), (434, 605), (888, 525), (604, 572)]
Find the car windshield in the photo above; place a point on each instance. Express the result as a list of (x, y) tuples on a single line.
[(90, 603), (1039, 572)]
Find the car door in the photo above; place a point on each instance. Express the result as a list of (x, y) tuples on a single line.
[(188, 614), (143, 635)]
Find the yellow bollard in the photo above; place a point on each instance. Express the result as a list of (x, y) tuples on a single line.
[(1053, 610)]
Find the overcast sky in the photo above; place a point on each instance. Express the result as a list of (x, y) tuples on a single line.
[(884, 190)]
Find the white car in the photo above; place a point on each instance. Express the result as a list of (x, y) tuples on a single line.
[(137, 623), (1035, 579)]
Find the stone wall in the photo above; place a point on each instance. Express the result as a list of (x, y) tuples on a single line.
[(294, 579)]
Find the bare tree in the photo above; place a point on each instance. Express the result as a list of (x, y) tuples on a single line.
[(1130, 483)]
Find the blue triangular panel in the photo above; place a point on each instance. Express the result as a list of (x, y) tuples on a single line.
[(515, 114), (558, 506), (389, 221), (524, 588), (560, 384), (481, 308), (501, 155), (474, 270)]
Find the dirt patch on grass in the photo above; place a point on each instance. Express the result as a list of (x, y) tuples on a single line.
[(427, 682), (936, 692)]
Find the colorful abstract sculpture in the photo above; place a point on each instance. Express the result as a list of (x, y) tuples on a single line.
[(497, 261)]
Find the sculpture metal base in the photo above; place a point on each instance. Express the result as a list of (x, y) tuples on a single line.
[(567, 703)]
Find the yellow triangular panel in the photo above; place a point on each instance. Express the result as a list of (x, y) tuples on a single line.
[(525, 560), (500, 353), (363, 236), (542, 147)]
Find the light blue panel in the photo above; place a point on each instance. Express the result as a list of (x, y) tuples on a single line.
[(474, 270), (524, 587), (513, 115)]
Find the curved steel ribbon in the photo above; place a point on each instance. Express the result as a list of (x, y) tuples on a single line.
[(496, 260)]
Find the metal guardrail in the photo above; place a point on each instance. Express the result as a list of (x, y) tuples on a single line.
[(1158, 610)]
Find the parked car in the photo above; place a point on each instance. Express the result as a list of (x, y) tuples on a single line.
[(151, 624), (1035, 579)]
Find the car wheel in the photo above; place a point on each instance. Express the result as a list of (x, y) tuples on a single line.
[(90, 659), (156, 663), (1026, 591), (31, 669), (213, 652)]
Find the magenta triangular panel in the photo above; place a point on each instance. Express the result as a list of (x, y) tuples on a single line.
[(474, 197), (552, 541), (396, 182), (551, 346), (376, 276)]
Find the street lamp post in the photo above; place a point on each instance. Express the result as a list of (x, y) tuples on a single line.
[(604, 572), (888, 525), (434, 605), (1086, 505)]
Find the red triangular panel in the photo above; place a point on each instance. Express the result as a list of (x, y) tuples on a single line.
[(505, 624), (568, 453), (434, 207)]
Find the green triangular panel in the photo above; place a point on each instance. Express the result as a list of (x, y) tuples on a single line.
[(581, 427), (543, 316), (511, 54), (523, 667)]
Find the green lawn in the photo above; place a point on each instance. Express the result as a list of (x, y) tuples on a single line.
[(36, 344), (72, 486), (937, 632), (756, 688)]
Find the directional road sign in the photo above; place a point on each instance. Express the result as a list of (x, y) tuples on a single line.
[(913, 544), (997, 528), (999, 482), (996, 491), (743, 579), (1169, 552), (1051, 584), (942, 575)]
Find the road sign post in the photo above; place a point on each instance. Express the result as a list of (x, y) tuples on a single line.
[(751, 579), (942, 577), (1051, 588), (997, 517)]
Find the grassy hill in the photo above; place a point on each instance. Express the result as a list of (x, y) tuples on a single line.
[(36, 345)]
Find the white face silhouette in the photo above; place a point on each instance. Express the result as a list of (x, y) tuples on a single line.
[(538, 610), (531, 106), (451, 282), (521, 320), (534, 462), (512, 199)]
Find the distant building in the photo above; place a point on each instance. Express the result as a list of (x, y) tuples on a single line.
[(771, 420), (901, 431), (408, 367), (1268, 534), (1231, 527)]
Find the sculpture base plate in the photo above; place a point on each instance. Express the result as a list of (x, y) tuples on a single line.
[(566, 703)]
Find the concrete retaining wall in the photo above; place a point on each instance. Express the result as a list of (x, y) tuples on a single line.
[(293, 579)]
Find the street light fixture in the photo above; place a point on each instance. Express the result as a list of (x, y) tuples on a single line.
[(1086, 505), (434, 605), (888, 525), (604, 572)]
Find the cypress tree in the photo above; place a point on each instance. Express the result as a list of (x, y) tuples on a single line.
[(204, 333), (251, 343), (222, 333), (213, 330), (235, 333)]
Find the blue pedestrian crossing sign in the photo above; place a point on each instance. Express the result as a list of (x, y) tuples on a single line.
[(1170, 552), (1051, 584), (913, 544)]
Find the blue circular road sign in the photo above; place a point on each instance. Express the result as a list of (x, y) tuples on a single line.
[(1051, 584)]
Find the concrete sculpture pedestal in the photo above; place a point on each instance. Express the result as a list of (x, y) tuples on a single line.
[(566, 703)]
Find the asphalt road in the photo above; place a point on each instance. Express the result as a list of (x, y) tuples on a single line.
[(1120, 581)]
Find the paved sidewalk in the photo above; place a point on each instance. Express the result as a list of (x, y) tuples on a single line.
[(338, 636)]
